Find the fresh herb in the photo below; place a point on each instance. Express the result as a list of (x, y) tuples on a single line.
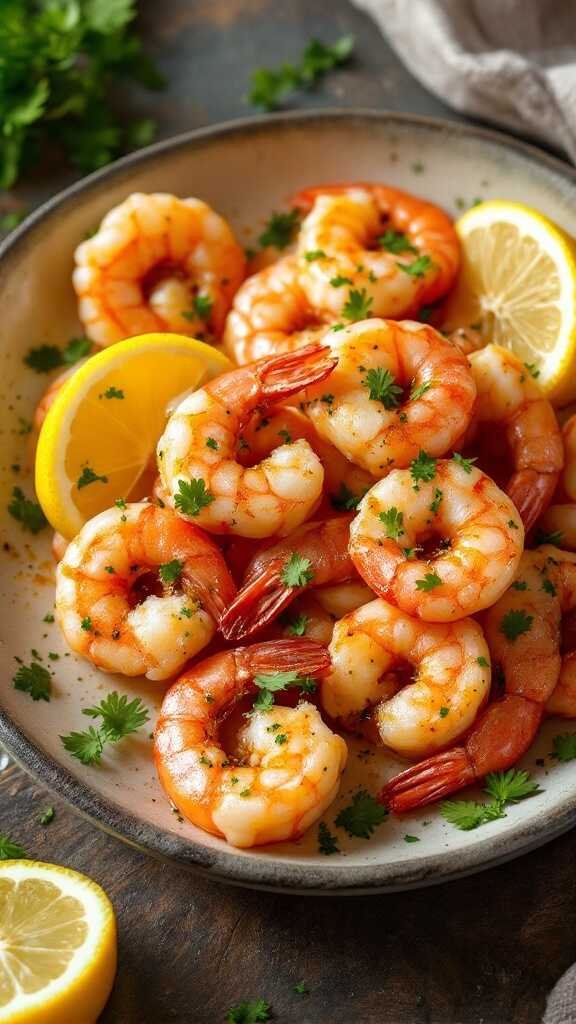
[(382, 387), (202, 305), (280, 230), (327, 841), (76, 349), (298, 626), (411, 839), (357, 305), (88, 476), (555, 537), (11, 219), (48, 617), (549, 587), (314, 254), (120, 503), (26, 512), (269, 86), (44, 359), (60, 62), (481, 660), (513, 524), (10, 850), (465, 464), (169, 572), (519, 585), (192, 496), (345, 500), (396, 242), (422, 469), (47, 816), (515, 623), (300, 987), (249, 1013), (418, 268), (340, 280), (362, 816), (443, 712), (35, 680), (186, 612), (436, 501), (532, 370), (421, 389), (119, 718), (211, 442), (285, 435), (112, 392), (564, 746), (393, 521), (269, 683), (281, 738), (430, 581), (297, 571), (328, 399), (504, 788), (86, 624)]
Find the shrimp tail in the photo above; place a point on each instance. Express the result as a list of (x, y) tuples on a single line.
[(258, 603), (430, 780), (532, 492), (284, 375), (306, 657), (209, 598)]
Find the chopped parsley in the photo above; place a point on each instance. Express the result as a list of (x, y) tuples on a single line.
[(532, 370), (192, 496), (297, 571), (269, 86), (549, 587), (285, 435), (436, 501), (47, 816), (515, 623), (555, 537), (419, 390), (465, 464), (281, 738), (35, 680), (314, 254), (88, 476), (503, 787), (422, 469), (256, 1012), (269, 683), (382, 387), (119, 718), (564, 746), (46, 358), (481, 660), (396, 242), (443, 712), (411, 839), (327, 841), (430, 581), (112, 392), (298, 625), (26, 512), (345, 499), (362, 816), (280, 230), (300, 987), (10, 850), (519, 585), (202, 306), (211, 442), (418, 268), (340, 280), (393, 521), (169, 572), (357, 305)]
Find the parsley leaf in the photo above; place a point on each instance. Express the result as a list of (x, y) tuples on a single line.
[(10, 850), (269, 86), (396, 242), (192, 496), (503, 787), (314, 254), (430, 581), (357, 305), (300, 987), (465, 464), (88, 476), (345, 499), (556, 537), (340, 280), (44, 359), (297, 571), (249, 1013), (382, 387), (532, 370), (119, 716), (464, 814), (202, 305), (47, 816), (280, 230), (482, 661), (269, 683), (298, 625), (169, 572), (26, 512), (86, 746), (112, 392), (393, 522), (211, 442), (422, 469), (515, 623), (564, 746), (76, 349), (35, 680), (418, 268), (327, 841), (436, 501), (362, 816), (510, 786), (549, 587)]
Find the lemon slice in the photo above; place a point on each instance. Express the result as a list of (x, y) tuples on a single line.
[(518, 283), (57, 945), (97, 442)]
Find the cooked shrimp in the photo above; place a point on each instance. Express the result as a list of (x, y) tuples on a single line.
[(364, 412), (449, 680), (474, 530), (314, 555), (270, 314), (139, 591), (157, 263), (314, 613), (399, 252), (53, 389), (569, 474), (345, 482), (197, 452), (523, 634), (509, 398), (559, 522), (286, 766)]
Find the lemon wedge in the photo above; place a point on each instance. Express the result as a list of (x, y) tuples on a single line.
[(57, 945), (97, 443), (518, 284)]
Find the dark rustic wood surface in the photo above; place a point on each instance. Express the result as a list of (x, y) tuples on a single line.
[(485, 950)]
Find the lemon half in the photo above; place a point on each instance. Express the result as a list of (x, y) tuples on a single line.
[(518, 283), (57, 945), (98, 439)]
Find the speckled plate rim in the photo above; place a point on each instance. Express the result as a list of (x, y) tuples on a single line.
[(264, 872)]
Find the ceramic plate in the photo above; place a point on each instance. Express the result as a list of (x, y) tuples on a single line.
[(245, 170)]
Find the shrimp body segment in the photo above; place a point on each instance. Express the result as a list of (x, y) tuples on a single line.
[(509, 397), (523, 634), (569, 474), (157, 263), (267, 790), (270, 314), (397, 250), (476, 531), (399, 387), (198, 450), (450, 677), (139, 591)]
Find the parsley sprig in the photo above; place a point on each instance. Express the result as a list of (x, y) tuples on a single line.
[(9, 850), (504, 788), (26, 512), (255, 1012), (362, 817), (269, 683), (357, 305), (280, 230), (192, 496), (119, 718), (422, 469), (564, 746), (382, 387), (35, 680), (297, 571), (269, 86), (46, 358)]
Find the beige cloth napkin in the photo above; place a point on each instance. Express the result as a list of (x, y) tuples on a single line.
[(511, 62)]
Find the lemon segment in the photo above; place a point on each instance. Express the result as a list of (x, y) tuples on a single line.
[(518, 284), (98, 440), (58, 945)]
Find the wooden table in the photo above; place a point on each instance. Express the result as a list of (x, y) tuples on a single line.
[(485, 950)]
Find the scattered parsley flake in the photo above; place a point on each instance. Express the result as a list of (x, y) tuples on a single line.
[(269, 86), (418, 268), (515, 623), (10, 850), (88, 476), (48, 618), (465, 464), (119, 718), (513, 524), (396, 242), (382, 387), (280, 230), (202, 305), (393, 522), (430, 581), (327, 841), (281, 738), (436, 501), (482, 661), (556, 537), (35, 680), (112, 392), (256, 1012), (26, 512), (443, 712), (340, 280), (44, 358), (357, 306), (411, 839), (298, 625), (297, 571), (75, 350), (549, 587), (211, 442), (285, 435), (564, 746), (422, 469), (314, 254), (86, 624), (519, 585), (192, 496), (169, 572), (47, 816), (532, 370), (300, 987), (362, 816)]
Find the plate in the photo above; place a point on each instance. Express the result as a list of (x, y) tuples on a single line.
[(245, 170)]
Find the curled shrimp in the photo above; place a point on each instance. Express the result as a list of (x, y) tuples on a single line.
[(523, 633), (471, 528), (568, 480), (422, 683), (270, 314), (344, 482), (559, 523), (197, 452), (269, 789), (139, 591), (510, 398), (317, 554), (399, 387), (397, 250), (157, 263)]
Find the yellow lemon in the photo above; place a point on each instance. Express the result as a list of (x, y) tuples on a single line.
[(518, 283), (97, 443), (57, 945)]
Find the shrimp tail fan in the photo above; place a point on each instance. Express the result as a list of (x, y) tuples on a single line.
[(306, 657), (283, 375), (259, 602)]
